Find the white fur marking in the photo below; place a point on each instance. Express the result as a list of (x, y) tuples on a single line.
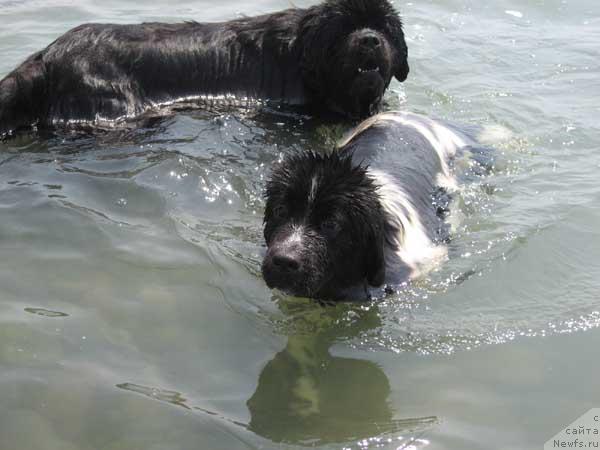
[(415, 249), (296, 236), (314, 184), (444, 141)]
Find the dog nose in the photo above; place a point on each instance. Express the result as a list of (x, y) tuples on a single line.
[(286, 263), (370, 40)]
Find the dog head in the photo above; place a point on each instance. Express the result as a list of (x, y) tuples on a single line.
[(323, 227), (350, 51)]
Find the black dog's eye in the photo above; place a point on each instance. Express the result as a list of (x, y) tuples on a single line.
[(330, 227), (279, 212)]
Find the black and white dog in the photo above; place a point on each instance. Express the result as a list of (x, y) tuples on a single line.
[(337, 56), (367, 214)]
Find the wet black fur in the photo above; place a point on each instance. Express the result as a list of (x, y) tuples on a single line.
[(342, 230), (103, 72)]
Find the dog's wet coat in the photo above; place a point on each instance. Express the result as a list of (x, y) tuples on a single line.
[(336, 56), (363, 215)]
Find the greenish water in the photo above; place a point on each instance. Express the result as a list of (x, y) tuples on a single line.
[(133, 315)]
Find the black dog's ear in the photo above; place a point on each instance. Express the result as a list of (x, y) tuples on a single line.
[(402, 70), (395, 31), (376, 259)]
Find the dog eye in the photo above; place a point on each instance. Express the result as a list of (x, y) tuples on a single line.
[(330, 227), (279, 212)]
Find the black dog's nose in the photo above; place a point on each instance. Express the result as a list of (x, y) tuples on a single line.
[(370, 40), (286, 263)]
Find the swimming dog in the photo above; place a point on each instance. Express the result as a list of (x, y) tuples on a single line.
[(337, 56), (369, 213)]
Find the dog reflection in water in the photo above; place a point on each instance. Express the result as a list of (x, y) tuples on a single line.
[(306, 394)]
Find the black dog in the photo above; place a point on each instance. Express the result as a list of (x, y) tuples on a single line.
[(365, 214), (337, 56)]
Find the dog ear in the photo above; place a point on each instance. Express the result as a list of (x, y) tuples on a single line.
[(376, 259), (395, 31), (402, 70)]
